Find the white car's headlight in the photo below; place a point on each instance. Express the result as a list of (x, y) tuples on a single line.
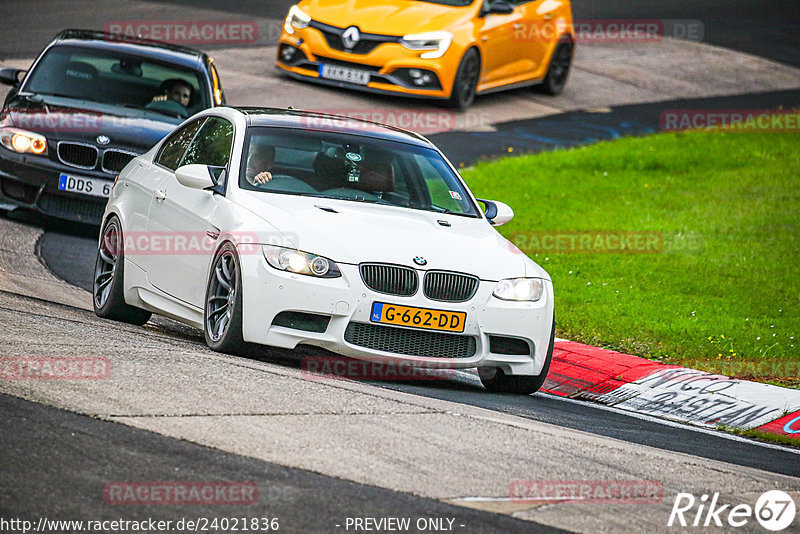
[(436, 43), (297, 18), (295, 261), (527, 289), (23, 142)]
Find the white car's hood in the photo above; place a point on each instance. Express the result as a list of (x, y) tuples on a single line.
[(361, 232)]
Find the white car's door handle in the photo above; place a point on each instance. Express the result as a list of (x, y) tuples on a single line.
[(160, 195)]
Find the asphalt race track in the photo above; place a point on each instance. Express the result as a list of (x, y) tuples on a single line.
[(95, 452), (74, 454), (66, 255)]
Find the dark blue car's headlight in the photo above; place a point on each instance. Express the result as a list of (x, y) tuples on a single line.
[(23, 141)]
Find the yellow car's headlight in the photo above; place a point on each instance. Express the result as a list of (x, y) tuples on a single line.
[(435, 43), (296, 19), (23, 142)]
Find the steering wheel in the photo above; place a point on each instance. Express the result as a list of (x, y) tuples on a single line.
[(169, 107)]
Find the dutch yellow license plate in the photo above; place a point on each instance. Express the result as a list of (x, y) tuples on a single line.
[(448, 321)]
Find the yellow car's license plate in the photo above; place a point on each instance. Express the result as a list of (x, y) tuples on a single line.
[(418, 317)]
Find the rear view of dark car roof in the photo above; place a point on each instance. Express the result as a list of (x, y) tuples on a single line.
[(134, 45)]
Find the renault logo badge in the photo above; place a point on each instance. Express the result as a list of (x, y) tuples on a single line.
[(351, 37), (419, 260)]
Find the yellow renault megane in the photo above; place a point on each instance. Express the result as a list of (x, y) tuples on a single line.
[(447, 49)]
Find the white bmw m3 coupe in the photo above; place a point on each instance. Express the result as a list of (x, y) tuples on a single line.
[(283, 228)]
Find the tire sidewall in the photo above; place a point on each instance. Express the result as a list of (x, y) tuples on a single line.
[(549, 85), (455, 99), (231, 340), (117, 280)]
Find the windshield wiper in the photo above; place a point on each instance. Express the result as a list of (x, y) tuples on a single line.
[(356, 199), (59, 95), (446, 211)]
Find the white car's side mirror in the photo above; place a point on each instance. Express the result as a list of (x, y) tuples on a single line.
[(504, 214), (195, 176), (497, 212)]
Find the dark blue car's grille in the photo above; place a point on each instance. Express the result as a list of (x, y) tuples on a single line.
[(115, 160), (77, 154)]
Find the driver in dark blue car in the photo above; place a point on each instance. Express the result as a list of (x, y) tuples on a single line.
[(178, 91)]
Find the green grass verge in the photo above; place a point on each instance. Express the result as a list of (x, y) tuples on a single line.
[(719, 286), (760, 435)]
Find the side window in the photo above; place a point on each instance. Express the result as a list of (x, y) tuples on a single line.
[(212, 145), (173, 149)]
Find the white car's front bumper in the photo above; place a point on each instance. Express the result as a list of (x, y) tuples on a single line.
[(267, 292)]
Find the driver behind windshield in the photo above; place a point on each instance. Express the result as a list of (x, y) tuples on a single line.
[(178, 91), (259, 164)]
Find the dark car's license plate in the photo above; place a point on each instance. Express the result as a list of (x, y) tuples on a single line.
[(88, 186)]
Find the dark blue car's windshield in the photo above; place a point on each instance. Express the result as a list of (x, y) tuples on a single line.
[(118, 79)]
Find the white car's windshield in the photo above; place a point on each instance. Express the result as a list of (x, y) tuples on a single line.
[(352, 167)]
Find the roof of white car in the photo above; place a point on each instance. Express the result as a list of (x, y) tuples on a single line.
[(309, 120)]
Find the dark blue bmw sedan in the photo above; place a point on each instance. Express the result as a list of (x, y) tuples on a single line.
[(89, 104)]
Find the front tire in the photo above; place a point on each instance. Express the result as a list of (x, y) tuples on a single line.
[(558, 71), (496, 381), (466, 83), (222, 316), (108, 288)]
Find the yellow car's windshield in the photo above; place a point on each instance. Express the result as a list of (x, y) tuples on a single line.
[(454, 3)]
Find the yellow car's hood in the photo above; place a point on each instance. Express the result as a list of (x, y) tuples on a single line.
[(387, 17)]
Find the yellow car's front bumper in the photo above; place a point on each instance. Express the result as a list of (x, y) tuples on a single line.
[(388, 64)]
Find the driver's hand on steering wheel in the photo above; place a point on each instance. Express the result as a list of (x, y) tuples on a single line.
[(263, 177)]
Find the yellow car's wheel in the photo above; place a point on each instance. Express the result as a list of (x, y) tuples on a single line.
[(558, 71), (466, 82)]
